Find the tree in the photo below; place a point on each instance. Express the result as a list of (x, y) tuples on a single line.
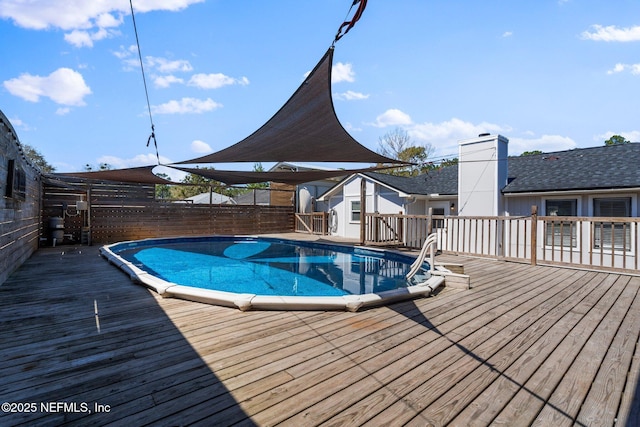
[(449, 162), (198, 184), (616, 139), (37, 158), (397, 144), (531, 153), (163, 191), (257, 167)]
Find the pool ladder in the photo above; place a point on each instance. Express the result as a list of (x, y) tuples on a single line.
[(429, 246)]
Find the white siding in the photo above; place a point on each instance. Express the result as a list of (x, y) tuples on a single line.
[(482, 174)]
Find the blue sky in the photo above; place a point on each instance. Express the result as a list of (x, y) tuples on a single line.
[(547, 74)]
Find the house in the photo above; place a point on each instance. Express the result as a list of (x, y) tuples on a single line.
[(307, 194), (208, 197), (389, 194), (254, 196), (597, 182)]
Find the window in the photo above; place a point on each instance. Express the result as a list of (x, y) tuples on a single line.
[(355, 211), (561, 207), (619, 206), (437, 223), (612, 234), (561, 233), (16, 181)]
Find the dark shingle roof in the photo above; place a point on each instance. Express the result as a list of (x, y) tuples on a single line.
[(614, 166), (441, 181)]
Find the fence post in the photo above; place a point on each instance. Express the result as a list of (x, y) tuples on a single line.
[(363, 209), (534, 235), (430, 222)]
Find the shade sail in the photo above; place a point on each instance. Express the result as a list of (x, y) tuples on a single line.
[(139, 175), (305, 129), (285, 177)]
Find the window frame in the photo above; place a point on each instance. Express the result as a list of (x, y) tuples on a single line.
[(604, 234), (16, 181), (352, 211), (554, 232)]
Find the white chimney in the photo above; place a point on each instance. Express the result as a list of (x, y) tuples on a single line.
[(482, 174)]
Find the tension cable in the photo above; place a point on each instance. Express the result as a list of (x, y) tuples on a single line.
[(144, 81)]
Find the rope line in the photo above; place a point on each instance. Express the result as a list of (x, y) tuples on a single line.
[(144, 81), (350, 23)]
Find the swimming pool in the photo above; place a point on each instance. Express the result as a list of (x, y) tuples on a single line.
[(270, 273)]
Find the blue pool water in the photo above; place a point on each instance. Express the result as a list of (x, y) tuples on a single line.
[(264, 266)]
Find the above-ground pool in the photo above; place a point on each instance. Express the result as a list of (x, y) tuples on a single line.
[(270, 273)]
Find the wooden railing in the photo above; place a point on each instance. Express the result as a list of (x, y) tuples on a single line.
[(312, 223), (603, 243), (385, 230), (610, 243)]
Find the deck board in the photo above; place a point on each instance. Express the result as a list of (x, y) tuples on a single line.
[(526, 345)]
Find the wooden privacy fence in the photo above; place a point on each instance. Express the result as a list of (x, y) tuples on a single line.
[(113, 224), (117, 212), (607, 243)]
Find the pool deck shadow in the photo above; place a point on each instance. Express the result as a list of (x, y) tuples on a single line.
[(86, 347), (524, 345)]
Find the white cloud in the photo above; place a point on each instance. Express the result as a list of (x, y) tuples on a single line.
[(612, 33), (119, 163), (81, 38), (633, 136), (126, 52), (186, 106), (619, 68), (546, 144), (63, 111), (107, 20), (70, 15), (198, 146), (19, 124), (215, 81), (342, 73), (164, 65), (507, 34), (64, 86), (392, 117), (166, 81), (349, 96), (348, 126), (444, 136), (174, 174)]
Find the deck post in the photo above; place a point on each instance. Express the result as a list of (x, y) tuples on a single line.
[(534, 235), (400, 229)]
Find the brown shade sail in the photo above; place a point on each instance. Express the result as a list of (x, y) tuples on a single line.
[(305, 129), (139, 175), (285, 177)]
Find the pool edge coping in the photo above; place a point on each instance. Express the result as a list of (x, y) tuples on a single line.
[(246, 301)]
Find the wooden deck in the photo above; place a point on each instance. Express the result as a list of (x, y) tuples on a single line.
[(526, 346)]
